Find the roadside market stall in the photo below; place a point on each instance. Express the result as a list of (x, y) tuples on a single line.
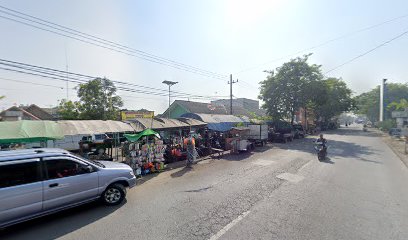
[(218, 126), (146, 152), (172, 132), (238, 140), (22, 132), (96, 139)]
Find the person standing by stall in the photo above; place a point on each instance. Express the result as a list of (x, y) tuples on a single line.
[(189, 142)]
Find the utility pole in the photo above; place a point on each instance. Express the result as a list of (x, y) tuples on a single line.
[(382, 98), (230, 83)]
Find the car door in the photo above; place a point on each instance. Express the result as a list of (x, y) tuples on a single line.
[(68, 182), (21, 189)]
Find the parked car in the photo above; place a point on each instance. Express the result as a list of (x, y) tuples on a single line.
[(299, 131), (36, 182), (395, 132), (281, 131)]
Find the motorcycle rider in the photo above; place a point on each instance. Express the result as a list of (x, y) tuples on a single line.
[(322, 140)]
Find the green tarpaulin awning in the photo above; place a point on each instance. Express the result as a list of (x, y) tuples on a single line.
[(135, 137), (27, 131)]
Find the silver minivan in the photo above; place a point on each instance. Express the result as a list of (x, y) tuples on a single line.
[(36, 182)]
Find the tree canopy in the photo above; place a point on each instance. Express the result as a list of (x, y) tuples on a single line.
[(368, 103), (298, 84), (289, 88), (398, 106), (97, 100), (335, 98)]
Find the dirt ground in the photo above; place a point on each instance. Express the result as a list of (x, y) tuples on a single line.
[(398, 146)]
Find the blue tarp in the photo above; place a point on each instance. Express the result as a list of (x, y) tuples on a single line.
[(220, 127)]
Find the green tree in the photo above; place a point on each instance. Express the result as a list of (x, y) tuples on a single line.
[(98, 100), (336, 99), (290, 88), (69, 110), (1, 97), (397, 106), (368, 103)]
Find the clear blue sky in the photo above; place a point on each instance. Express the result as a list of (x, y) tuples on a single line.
[(220, 36)]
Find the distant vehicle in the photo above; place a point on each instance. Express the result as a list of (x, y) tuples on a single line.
[(97, 143), (299, 131), (395, 132), (258, 133), (96, 138), (281, 131), (37, 182)]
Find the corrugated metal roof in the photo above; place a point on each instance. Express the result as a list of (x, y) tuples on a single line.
[(79, 127), (192, 122), (139, 124), (217, 118)]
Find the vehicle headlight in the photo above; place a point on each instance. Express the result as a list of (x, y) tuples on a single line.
[(132, 173)]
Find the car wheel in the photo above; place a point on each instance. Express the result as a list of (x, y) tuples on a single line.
[(114, 194)]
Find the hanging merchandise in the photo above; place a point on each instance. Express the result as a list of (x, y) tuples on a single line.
[(146, 158)]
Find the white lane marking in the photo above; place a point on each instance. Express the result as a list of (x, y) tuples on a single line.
[(229, 226), (290, 177), (262, 162)]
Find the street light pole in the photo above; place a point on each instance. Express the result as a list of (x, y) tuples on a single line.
[(382, 98), (169, 83)]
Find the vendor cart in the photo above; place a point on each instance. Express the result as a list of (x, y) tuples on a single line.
[(240, 141)]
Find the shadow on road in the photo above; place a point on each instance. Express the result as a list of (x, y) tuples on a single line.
[(238, 157), (367, 160), (59, 224), (336, 148), (355, 132), (327, 160), (181, 172)]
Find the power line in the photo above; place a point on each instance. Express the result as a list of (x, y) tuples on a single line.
[(367, 52), (60, 76), (105, 43), (27, 82), (81, 77), (327, 42)]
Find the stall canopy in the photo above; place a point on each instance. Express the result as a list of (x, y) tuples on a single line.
[(27, 131), (139, 124), (135, 137), (218, 122), (83, 127)]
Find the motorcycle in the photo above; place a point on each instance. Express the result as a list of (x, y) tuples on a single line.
[(321, 150)]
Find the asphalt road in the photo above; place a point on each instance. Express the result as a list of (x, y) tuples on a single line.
[(277, 192)]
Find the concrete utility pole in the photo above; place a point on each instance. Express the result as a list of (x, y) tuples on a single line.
[(230, 83), (169, 83), (382, 97)]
